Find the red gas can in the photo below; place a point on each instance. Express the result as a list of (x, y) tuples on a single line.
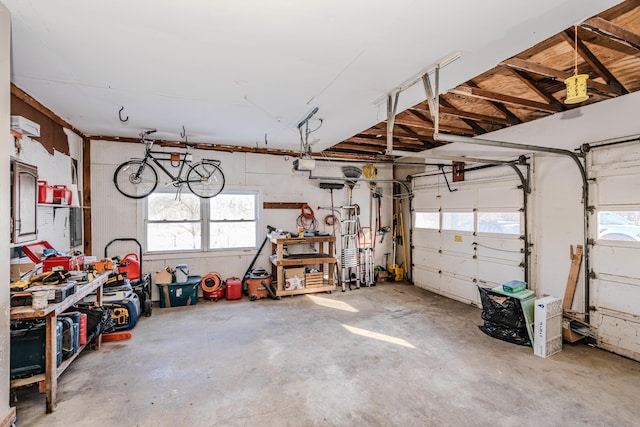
[(130, 265), (61, 195), (45, 192), (234, 288)]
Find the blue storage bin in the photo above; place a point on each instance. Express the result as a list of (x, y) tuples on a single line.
[(179, 294)]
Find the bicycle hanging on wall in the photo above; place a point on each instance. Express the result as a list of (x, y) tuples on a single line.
[(137, 178)]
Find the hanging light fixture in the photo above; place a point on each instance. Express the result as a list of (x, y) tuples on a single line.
[(576, 84)]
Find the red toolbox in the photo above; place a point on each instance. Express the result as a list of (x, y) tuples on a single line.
[(234, 288), (45, 192), (36, 253), (61, 195)]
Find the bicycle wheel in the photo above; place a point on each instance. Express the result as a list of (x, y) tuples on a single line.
[(205, 179), (135, 179)]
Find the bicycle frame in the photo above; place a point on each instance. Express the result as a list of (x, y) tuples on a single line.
[(184, 160)]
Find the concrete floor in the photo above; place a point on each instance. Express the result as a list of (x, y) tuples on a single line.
[(389, 355)]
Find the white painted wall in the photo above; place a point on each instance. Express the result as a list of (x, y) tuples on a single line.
[(115, 216), (4, 208), (56, 169)]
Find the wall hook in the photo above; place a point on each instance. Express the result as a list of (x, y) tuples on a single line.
[(183, 133), (120, 116)]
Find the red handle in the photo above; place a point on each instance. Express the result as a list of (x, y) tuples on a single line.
[(134, 256), (44, 183), (63, 187)]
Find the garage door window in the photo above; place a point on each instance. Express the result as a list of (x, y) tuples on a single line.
[(619, 225), (499, 222), (427, 220), (458, 221)]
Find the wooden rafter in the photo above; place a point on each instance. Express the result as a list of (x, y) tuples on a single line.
[(499, 97), (415, 123), (454, 112), (524, 78), (614, 32), (513, 119), (568, 35), (467, 121), (380, 142), (552, 73)]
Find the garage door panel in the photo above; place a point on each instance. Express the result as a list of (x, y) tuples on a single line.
[(500, 248), (426, 258), (495, 274), (614, 190), (623, 297), (460, 199), (460, 289), (427, 238), (459, 266), (427, 279), (616, 260), (616, 288), (457, 242), (500, 197), (424, 200)]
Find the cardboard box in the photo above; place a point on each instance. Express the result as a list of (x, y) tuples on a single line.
[(567, 334), (290, 273), (18, 270), (547, 328)]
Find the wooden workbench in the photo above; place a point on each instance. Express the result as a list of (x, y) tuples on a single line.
[(322, 258), (50, 313)]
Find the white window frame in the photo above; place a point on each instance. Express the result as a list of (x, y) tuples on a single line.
[(256, 222), (205, 222)]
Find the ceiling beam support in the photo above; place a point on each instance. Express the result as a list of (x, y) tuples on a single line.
[(552, 73), (612, 31), (594, 63), (505, 99), (524, 78)]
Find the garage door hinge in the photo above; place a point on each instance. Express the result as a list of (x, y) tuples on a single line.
[(591, 209), (591, 242), (592, 275)]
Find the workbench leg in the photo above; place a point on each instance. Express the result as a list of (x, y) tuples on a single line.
[(51, 361)]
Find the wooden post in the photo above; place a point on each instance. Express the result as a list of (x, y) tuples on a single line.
[(572, 281), (51, 358)]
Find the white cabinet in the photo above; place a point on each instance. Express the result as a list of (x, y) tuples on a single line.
[(24, 202)]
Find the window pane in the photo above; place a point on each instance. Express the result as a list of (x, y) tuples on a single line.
[(173, 236), (164, 206), (233, 207), (459, 221), (619, 225), (427, 220), (499, 222), (232, 235)]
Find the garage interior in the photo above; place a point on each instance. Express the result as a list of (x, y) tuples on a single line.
[(471, 151)]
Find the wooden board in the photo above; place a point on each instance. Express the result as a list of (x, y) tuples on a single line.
[(572, 281), (282, 205)]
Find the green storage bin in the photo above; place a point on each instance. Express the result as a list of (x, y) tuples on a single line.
[(179, 294)]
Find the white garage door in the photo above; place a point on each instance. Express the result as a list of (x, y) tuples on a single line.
[(469, 236), (615, 228)]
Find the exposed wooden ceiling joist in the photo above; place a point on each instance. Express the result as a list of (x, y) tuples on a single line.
[(530, 85), (559, 75), (594, 63), (608, 29), (524, 78), (505, 99)]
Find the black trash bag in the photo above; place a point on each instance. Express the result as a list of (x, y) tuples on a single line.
[(503, 317)]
